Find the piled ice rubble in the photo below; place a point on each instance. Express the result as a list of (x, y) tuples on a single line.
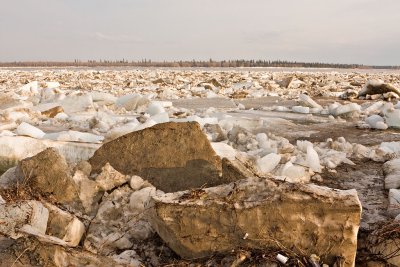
[(93, 204), (114, 150)]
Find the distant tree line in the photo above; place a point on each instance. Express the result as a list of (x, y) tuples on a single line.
[(192, 63)]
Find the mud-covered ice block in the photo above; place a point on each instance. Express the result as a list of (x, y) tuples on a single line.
[(258, 214), (48, 174), (373, 87), (172, 156), (109, 178), (29, 130)]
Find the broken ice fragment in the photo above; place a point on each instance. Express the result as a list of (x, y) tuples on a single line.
[(267, 163), (29, 130), (313, 159)]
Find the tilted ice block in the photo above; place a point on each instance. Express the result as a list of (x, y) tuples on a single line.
[(145, 125), (29, 130), (302, 145), (224, 150), (132, 102), (313, 159), (267, 163), (308, 101), (295, 173), (121, 130)]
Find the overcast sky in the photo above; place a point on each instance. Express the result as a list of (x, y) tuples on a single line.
[(337, 31)]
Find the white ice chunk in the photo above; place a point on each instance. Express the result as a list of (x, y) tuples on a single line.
[(132, 102), (160, 117), (52, 85), (300, 109), (373, 120), (391, 169), (313, 159), (15, 148), (393, 118), (333, 107), (6, 133), (295, 173), (122, 130), (345, 109), (303, 145), (281, 109), (380, 125), (201, 121), (145, 125), (77, 103), (390, 147), (374, 107), (309, 102), (29, 88), (61, 116), (155, 108), (29, 130), (224, 150), (267, 163), (75, 136)]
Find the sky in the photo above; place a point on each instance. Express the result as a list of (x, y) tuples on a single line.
[(330, 31)]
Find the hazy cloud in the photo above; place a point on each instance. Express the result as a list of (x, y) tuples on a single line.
[(348, 31)]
